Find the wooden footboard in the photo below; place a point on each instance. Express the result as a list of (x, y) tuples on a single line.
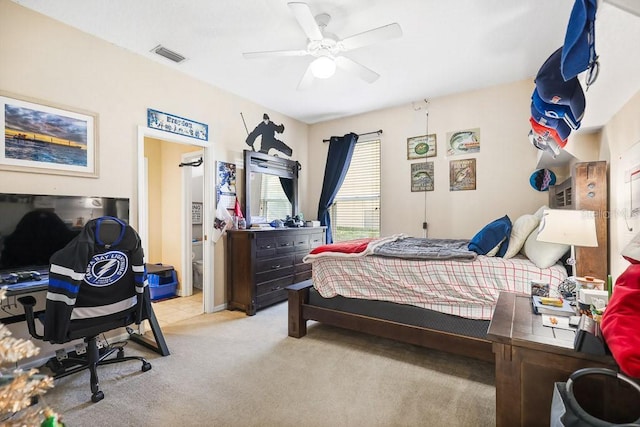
[(300, 311)]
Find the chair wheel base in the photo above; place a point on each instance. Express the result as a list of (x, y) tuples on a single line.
[(146, 366), (97, 396)]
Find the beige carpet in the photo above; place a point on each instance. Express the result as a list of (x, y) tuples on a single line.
[(229, 369)]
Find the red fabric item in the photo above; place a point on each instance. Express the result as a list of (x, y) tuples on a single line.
[(236, 210), (621, 321), (348, 247)]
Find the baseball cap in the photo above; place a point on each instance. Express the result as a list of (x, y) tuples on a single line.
[(545, 143), (579, 52), (555, 111), (553, 89), (545, 138), (558, 125)]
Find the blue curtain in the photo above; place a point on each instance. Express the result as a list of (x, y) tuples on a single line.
[(338, 161), (287, 187)]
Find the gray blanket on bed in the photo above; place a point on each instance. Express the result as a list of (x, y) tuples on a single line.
[(430, 249)]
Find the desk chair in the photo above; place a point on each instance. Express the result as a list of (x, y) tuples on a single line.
[(97, 283)]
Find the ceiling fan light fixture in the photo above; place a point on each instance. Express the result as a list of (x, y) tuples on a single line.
[(323, 67)]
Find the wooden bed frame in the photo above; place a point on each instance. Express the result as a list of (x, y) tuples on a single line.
[(300, 310)]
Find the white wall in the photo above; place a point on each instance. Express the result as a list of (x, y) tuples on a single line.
[(621, 147), (51, 62), (504, 163)]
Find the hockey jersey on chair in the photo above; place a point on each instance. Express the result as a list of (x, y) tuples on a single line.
[(98, 278)]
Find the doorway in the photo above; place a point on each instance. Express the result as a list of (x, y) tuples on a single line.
[(164, 206)]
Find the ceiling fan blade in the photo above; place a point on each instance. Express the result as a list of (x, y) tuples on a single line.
[(306, 80), (372, 36), (306, 20), (274, 53), (359, 70)]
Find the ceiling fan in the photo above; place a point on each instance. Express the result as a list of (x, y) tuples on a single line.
[(327, 48)]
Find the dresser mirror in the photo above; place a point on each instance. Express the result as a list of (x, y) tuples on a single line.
[(270, 187)]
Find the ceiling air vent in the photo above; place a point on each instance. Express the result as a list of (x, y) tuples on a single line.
[(169, 54)]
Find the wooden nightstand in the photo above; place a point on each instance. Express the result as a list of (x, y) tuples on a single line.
[(530, 358)]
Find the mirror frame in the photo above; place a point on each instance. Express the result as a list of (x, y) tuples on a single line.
[(256, 162)]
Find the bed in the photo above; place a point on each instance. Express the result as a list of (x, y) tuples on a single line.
[(443, 328), (460, 294)]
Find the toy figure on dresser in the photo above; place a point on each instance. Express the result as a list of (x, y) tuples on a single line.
[(296, 221)]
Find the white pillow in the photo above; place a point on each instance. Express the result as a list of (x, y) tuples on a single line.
[(543, 254), (540, 212), (520, 230), (495, 250)]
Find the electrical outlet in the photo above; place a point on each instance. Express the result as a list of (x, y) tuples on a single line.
[(424, 225)]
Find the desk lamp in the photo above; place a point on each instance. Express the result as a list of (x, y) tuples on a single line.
[(569, 227)]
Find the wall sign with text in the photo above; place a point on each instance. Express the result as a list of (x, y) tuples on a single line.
[(178, 125)]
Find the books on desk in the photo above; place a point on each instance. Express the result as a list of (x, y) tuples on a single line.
[(566, 310)]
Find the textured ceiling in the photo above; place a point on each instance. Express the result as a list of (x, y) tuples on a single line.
[(447, 47)]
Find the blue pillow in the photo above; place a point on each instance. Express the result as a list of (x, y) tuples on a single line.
[(491, 235)]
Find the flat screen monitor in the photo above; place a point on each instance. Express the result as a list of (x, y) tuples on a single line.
[(34, 226)]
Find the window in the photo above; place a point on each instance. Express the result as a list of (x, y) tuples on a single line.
[(355, 212), (273, 200)]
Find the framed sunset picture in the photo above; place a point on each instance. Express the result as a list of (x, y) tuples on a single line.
[(43, 138)]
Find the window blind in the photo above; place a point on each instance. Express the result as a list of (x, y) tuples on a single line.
[(355, 212)]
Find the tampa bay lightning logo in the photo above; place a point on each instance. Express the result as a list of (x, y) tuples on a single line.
[(106, 269)]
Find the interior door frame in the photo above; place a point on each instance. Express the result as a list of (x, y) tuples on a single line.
[(187, 234), (207, 208)]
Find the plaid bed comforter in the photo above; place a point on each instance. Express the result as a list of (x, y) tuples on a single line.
[(468, 289)]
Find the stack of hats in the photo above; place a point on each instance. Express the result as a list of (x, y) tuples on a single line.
[(558, 102)]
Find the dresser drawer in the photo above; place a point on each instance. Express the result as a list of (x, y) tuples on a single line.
[(265, 247), (284, 244), (265, 276), (267, 299), (316, 239), (298, 257), (276, 263), (274, 285), (301, 243)]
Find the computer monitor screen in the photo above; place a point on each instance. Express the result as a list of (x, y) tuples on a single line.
[(34, 226)]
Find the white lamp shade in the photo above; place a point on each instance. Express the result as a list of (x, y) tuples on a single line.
[(569, 227), (323, 67)]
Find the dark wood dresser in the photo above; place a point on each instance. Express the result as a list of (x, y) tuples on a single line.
[(262, 263)]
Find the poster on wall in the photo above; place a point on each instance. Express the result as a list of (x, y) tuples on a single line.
[(462, 175), (419, 147), (630, 179), (463, 142), (422, 176), (196, 213), (226, 185)]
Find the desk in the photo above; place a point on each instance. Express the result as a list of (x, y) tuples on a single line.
[(11, 311), (530, 358)]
